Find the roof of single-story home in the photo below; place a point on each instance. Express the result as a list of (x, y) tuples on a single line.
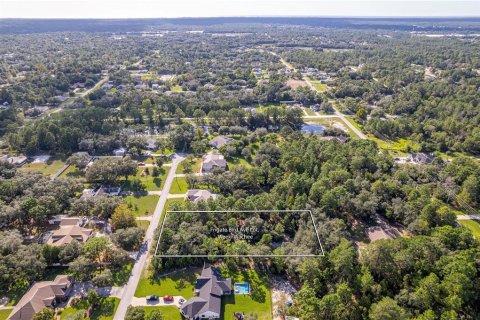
[(41, 295), (210, 288)]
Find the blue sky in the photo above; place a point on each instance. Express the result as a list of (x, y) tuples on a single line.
[(215, 8)]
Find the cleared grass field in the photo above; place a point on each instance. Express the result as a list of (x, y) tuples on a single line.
[(336, 122), (4, 313), (177, 284), (473, 225), (309, 112), (48, 168), (395, 147), (105, 311), (319, 86), (196, 165), (143, 224), (238, 161), (179, 186), (177, 88), (150, 182), (168, 312), (142, 205)]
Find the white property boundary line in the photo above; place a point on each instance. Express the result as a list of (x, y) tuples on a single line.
[(240, 256)]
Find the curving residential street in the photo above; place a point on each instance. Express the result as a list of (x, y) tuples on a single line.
[(131, 286)]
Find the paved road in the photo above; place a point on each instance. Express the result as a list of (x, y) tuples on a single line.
[(129, 291), (469, 217)]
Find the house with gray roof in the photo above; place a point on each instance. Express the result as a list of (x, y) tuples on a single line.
[(209, 289), (196, 195), (45, 294), (220, 141), (212, 161)]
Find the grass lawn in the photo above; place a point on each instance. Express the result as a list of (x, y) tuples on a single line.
[(237, 161), (105, 311), (142, 205), (318, 85), (4, 313), (48, 168), (473, 225), (258, 302), (147, 160), (396, 148), (196, 165), (170, 202), (143, 224), (309, 111), (14, 295), (179, 185), (167, 286), (168, 312), (177, 88), (151, 183)]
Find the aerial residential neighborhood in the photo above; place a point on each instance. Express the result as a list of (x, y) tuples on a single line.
[(260, 168)]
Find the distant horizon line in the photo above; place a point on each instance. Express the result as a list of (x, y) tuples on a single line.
[(249, 16)]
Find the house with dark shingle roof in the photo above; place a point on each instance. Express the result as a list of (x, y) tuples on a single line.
[(209, 288)]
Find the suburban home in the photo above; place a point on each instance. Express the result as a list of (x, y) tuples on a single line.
[(196, 195), (101, 191), (151, 145), (421, 158), (209, 289), (120, 152), (45, 294), (220, 141), (69, 229), (17, 161), (212, 161)]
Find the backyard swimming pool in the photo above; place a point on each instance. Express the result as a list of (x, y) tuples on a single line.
[(242, 288)]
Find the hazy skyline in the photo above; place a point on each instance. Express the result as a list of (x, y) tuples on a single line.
[(228, 8)]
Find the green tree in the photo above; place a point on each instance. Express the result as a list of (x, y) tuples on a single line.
[(387, 309), (45, 314)]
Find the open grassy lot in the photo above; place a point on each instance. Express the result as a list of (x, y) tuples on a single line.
[(4, 313), (309, 111), (177, 88), (318, 85), (336, 122), (171, 202), (105, 311), (195, 164), (259, 302), (177, 284), (237, 161), (150, 182), (142, 205), (398, 147), (179, 185), (143, 224), (168, 312), (144, 159), (48, 168), (473, 225)]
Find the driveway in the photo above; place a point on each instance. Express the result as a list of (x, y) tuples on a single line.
[(142, 302), (139, 266)]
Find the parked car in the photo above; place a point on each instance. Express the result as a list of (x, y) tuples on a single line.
[(152, 298), (168, 298), (181, 301)]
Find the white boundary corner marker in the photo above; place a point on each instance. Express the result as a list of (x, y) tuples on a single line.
[(240, 256)]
